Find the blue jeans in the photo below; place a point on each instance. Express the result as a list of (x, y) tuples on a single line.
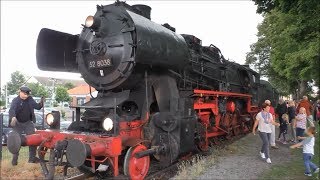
[(265, 137), (307, 163), (299, 132)]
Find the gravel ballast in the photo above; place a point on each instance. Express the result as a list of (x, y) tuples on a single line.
[(245, 162)]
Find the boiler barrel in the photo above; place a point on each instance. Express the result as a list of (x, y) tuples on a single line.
[(157, 45)]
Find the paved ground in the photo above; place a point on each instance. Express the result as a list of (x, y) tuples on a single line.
[(246, 163)]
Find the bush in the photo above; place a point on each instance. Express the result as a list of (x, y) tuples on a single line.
[(55, 104), (2, 103)]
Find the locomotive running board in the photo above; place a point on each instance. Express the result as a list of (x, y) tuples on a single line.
[(250, 108)]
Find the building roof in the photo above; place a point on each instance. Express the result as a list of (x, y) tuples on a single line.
[(47, 81), (82, 89)]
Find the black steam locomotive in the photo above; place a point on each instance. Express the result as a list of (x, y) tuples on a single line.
[(161, 94)]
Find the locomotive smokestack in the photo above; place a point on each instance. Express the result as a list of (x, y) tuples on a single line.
[(144, 9)]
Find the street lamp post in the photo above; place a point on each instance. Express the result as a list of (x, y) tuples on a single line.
[(53, 91), (6, 95)]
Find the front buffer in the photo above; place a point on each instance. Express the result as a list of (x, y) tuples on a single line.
[(88, 152)]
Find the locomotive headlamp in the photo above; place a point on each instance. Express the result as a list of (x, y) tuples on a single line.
[(53, 119), (107, 124), (49, 119), (89, 21), (92, 22)]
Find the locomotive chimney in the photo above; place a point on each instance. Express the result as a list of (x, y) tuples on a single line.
[(144, 9)]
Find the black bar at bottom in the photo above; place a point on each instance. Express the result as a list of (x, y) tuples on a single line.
[(145, 153)]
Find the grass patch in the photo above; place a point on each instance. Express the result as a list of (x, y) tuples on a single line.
[(197, 165), (190, 169), (294, 169), (23, 154), (23, 170)]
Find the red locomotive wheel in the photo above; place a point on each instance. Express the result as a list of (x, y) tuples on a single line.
[(136, 168)]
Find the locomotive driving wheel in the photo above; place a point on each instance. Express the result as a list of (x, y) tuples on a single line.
[(136, 168), (202, 142)]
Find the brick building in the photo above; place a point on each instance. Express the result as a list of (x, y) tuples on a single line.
[(81, 94)]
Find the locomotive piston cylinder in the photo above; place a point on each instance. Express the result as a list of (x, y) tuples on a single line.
[(154, 150)]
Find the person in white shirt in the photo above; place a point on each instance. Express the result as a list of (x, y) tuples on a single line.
[(263, 121), (308, 151)]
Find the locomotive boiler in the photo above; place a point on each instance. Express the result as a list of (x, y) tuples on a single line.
[(160, 94)]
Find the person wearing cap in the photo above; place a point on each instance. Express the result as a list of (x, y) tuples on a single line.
[(21, 115), (273, 128)]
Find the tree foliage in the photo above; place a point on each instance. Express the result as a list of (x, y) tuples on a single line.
[(287, 50), (62, 94), (265, 6), (38, 90), (69, 85), (2, 98), (17, 80)]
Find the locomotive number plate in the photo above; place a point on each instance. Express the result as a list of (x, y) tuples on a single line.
[(99, 63)]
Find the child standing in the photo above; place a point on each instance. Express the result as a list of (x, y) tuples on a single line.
[(308, 151), (301, 123), (284, 127)]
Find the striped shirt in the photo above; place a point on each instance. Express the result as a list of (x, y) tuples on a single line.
[(308, 145), (301, 121)]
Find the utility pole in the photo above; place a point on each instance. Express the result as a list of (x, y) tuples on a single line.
[(53, 90), (6, 95)]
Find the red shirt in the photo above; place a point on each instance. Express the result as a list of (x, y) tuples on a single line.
[(271, 110), (306, 104)]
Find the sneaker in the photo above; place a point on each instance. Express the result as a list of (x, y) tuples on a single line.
[(278, 139), (284, 142), (34, 160), (316, 171), (269, 160), (262, 155), (275, 147), (308, 174)]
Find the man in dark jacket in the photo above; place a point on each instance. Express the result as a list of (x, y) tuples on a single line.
[(21, 114), (281, 109)]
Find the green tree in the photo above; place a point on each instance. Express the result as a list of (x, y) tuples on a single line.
[(38, 90), (2, 97), (288, 44), (69, 85), (62, 94), (17, 80), (265, 6)]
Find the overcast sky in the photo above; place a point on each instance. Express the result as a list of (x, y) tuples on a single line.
[(229, 25)]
